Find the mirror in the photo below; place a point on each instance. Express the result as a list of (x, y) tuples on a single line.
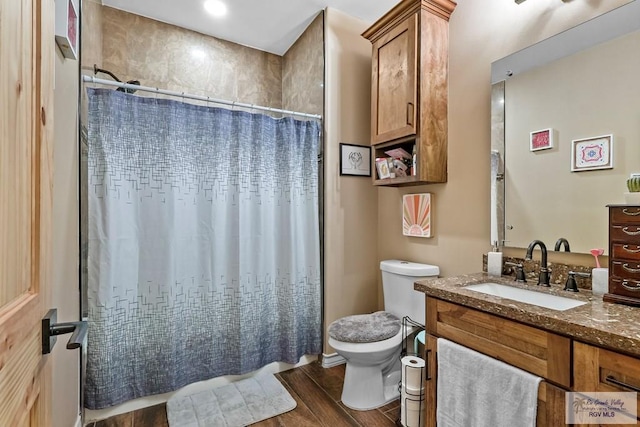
[(582, 89)]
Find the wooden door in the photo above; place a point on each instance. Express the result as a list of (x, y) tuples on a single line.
[(27, 49), (394, 87)]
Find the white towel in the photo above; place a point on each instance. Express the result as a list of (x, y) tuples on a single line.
[(475, 390)]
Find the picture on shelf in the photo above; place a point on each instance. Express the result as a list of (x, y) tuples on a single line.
[(382, 167), (400, 162)]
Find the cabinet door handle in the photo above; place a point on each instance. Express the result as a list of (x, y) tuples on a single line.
[(629, 213), (612, 380), (427, 377), (410, 113), (625, 284), (631, 233), (628, 249)]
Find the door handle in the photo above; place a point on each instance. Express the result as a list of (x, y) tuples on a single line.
[(410, 113), (51, 329)]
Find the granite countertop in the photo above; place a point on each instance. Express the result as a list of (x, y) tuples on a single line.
[(613, 326)]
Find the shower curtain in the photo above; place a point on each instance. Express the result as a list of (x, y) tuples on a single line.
[(203, 254)]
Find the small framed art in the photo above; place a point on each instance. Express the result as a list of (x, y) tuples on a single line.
[(355, 160), (416, 215), (592, 153), (382, 165), (67, 28), (541, 140)]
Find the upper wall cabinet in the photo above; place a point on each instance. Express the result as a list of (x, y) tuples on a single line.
[(394, 88), (409, 88)]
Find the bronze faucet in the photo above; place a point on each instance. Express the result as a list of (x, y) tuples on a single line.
[(544, 277)]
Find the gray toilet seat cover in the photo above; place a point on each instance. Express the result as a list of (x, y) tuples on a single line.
[(364, 328)]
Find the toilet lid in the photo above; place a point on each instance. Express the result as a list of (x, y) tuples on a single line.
[(363, 328)]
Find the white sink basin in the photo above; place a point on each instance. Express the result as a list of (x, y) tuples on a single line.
[(553, 302)]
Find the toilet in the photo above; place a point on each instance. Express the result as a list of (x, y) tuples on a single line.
[(371, 343)]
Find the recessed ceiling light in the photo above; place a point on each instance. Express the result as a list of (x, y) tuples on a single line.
[(215, 7), (198, 53)]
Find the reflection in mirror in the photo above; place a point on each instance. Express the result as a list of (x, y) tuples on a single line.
[(590, 93)]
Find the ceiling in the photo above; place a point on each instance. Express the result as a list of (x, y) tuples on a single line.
[(268, 25)]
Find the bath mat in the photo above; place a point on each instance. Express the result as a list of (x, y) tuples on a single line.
[(233, 405)]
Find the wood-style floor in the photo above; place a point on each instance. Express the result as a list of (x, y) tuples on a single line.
[(316, 390)]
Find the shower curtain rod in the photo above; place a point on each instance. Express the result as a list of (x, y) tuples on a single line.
[(91, 79)]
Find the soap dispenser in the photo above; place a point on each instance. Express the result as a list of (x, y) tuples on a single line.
[(494, 261)]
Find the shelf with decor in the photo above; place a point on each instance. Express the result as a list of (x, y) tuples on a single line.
[(409, 87), (394, 163), (426, 169)]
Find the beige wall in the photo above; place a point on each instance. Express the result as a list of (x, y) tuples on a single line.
[(66, 363), (169, 57), (350, 263), (480, 32), (303, 71)]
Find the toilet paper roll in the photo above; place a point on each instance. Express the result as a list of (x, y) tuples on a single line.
[(412, 413), (413, 370), (413, 393)]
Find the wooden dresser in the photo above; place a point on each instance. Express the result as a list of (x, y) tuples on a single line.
[(624, 255)]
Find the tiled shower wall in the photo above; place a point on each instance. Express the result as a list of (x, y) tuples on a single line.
[(165, 56), (169, 57), (303, 71)]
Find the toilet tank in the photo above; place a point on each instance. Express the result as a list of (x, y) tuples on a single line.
[(400, 298)]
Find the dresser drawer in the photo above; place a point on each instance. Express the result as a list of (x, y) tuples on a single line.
[(542, 353), (625, 269), (625, 215), (625, 252), (623, 286), (629, 234)]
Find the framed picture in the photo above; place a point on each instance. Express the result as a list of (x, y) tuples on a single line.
[(382, 166), (67, 28), (592, 153), (541, 140), (416, 215), (355, 160)]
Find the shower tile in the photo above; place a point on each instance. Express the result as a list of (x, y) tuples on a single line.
[(303, 71), (165, 56)]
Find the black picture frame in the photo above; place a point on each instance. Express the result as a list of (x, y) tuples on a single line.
[(355, 160)]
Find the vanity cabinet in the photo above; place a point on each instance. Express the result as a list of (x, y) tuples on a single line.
[(540, 352), (600, 370), (409, 87), (624, 255)]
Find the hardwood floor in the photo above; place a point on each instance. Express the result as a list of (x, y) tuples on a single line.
[(316, 390)]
